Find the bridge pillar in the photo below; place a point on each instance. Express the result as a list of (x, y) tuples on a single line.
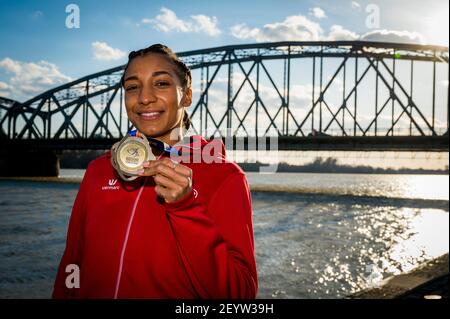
[(15, 163)]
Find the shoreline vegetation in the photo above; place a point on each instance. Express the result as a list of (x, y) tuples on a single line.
[(80, 160)]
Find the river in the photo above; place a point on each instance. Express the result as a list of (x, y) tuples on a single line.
[(316, 235)]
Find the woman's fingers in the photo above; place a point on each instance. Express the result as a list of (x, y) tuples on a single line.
[(173, 180), (180, 174), (165, 182), (177, 167), (149, 169), (167, 190), (163, 192)]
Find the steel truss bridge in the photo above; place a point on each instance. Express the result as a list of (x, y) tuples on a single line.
[(354, 96)]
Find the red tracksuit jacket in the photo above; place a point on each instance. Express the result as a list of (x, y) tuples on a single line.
[(128, 243)]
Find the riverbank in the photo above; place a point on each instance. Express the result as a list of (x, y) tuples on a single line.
[(429, 281), (70, 180), (331, 165), (318, 164)]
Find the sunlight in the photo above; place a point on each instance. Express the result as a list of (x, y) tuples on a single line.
[(423, 186), (437, 27), (422, 241)]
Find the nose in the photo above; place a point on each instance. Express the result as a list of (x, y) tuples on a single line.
[(146, 96)]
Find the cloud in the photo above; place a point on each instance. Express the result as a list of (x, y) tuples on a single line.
[(241, 31), (103, 52), (297, 28), (317, 13), (356, 5), (168, 21), (31, 78), (394, 36), (206, 24), (293, 28), (300, 28), (338, 33), (4, 86), (5, 89)]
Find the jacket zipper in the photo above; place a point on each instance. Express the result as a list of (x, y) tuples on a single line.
[(130, 221)]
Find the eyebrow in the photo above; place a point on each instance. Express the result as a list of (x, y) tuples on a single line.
[(157, 73)]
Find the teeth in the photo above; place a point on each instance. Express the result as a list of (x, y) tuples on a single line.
[(150, 114)]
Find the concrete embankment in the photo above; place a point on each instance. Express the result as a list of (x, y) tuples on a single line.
[(428, 281)]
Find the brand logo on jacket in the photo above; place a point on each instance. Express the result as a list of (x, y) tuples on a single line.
[(111, 185)]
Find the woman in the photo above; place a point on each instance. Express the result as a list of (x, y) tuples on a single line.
[(181, 230)]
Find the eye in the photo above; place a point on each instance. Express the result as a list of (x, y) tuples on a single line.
[(131, 88), (162, 83)]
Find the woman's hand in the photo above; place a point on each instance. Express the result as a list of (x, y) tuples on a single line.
[(173, 180)]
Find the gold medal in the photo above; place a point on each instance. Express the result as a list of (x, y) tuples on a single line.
[(128, 155)]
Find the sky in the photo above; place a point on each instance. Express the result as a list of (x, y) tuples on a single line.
[(39, 51), (44, 46)]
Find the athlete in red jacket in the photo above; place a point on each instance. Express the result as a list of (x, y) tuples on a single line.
[(179, 231)]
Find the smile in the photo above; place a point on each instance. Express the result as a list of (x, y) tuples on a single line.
[(150, 116)]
